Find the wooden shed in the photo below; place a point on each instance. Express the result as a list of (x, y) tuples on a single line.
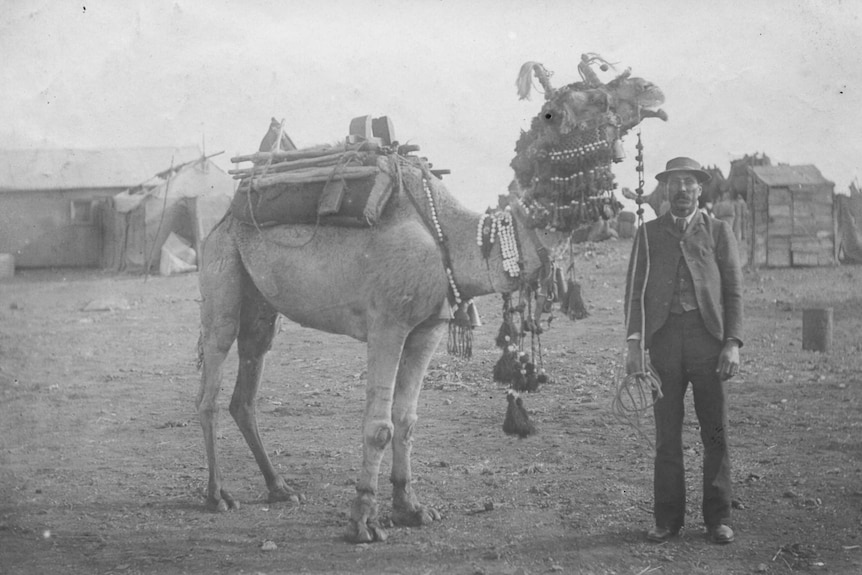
[(792, 215)]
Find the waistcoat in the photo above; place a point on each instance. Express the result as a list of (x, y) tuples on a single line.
[(683, 290)]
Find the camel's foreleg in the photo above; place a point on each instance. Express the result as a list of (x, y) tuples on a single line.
[(220, 281), (385, 343), (418, 351), (258, 324)]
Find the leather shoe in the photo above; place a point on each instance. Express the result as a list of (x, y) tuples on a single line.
[(660, 534), (721, 534)]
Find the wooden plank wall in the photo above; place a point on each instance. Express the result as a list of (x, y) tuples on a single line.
[(760, 223), (780, 230), (813, 229), (793, 226)]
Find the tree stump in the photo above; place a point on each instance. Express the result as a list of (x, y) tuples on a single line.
[(817, 329)]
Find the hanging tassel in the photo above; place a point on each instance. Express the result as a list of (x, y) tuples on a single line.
[(465, 318), (508, 333), (531, 380), (559, 285), (542, 378), (574, 306), (508, 369), (562, 291), (460, 342), (571, 302), (516, 370), (517, 420)]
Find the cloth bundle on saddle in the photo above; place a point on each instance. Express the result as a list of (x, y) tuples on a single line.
[(348, 184)]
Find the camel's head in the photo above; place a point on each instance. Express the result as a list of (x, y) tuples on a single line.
[(563, 163)]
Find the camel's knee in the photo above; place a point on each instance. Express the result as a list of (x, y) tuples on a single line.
[(217, 339), (240, 407), (258, 320), (256, 337), (207, 410), (378, 434)]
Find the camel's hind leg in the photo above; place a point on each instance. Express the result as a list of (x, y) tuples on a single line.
[(418, 351), (258, 324), (220, 279)]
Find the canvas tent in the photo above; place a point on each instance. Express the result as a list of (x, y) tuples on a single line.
[(185, 203), (53, 201)]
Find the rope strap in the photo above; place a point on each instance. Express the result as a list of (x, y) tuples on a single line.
[(637, 392)]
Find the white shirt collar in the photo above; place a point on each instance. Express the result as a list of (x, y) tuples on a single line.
[(688, 218)]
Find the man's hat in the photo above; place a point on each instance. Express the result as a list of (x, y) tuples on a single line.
[(683, 164)]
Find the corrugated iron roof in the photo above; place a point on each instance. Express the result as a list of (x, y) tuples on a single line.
[(59, 169), (782, 175)]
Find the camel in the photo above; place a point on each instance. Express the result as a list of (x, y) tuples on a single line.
[(389, 285)]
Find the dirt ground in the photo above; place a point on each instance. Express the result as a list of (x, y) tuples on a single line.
[(102, 465)]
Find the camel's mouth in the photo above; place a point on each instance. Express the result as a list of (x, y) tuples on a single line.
[(651, 98), (643, 101)]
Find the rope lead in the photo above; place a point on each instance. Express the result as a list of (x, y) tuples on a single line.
[(636, 393)]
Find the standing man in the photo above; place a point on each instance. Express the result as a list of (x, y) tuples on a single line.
[(690, 322)]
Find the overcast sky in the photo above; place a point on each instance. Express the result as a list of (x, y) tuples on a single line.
[(781, 77)]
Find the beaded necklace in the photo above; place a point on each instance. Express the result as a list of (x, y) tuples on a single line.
[(464, 316), (500, 226), (435, 222)]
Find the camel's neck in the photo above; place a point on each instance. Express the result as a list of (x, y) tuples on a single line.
[(474, 275)]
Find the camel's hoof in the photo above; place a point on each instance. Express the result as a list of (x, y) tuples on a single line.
[(223, 503), (365, 533), (286, 494), (418, 517)]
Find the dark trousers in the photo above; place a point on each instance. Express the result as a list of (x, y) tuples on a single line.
[(684, 352)]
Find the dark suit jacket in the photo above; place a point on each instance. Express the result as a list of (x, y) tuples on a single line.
[(709, 249)]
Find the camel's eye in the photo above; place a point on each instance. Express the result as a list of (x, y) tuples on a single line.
[(548, 115)]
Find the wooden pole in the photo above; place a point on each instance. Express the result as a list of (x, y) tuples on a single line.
[(817, 329), (327, 160), (159, 228), (316, 175), (284, 155)]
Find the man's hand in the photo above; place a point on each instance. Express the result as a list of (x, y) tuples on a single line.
[(634, 357), (728, 360)]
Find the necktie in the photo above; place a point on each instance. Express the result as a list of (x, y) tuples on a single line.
[(680, 225)]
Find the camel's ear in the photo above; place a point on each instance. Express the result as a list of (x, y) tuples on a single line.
[(524, 82)]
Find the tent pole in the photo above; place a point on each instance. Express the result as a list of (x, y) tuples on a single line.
[(161, 220)]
